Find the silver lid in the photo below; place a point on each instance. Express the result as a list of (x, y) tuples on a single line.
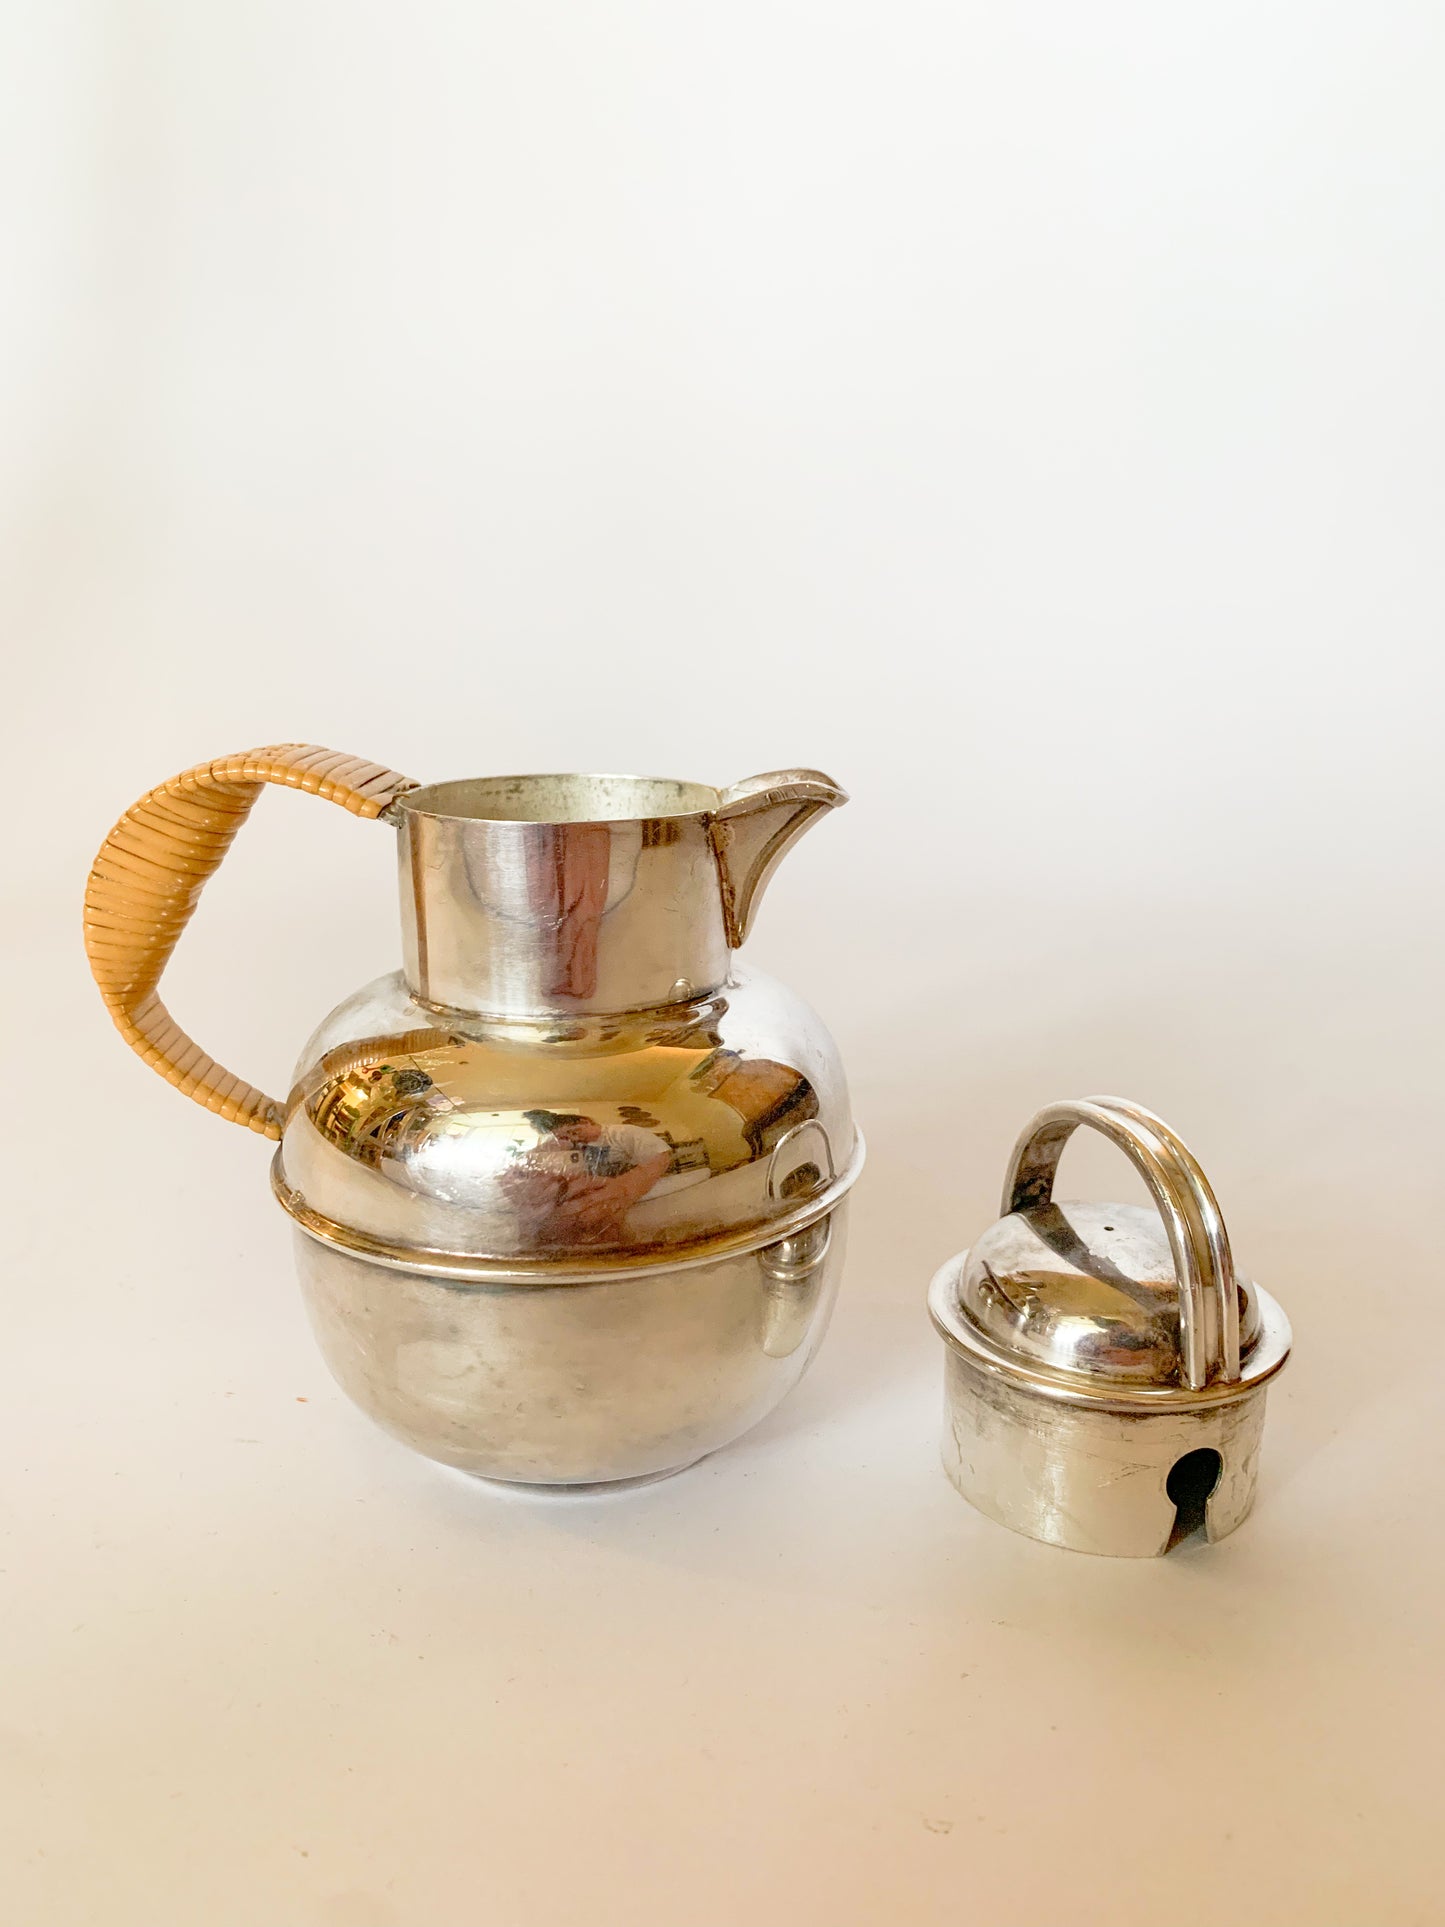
[(1110, 1303)]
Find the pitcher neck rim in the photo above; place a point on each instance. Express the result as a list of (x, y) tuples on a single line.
[(560, 800)]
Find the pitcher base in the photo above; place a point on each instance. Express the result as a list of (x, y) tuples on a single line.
[(590, 1489)]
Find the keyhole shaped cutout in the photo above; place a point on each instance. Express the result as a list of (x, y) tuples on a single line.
[(1190, 1482)]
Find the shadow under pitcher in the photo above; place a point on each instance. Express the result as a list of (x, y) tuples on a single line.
[(569, 1190)]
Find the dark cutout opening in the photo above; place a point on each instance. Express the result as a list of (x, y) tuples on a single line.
[(1190, 1482)]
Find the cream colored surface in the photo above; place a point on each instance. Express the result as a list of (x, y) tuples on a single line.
[(1029, 414)]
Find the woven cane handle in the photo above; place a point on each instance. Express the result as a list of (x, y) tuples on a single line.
[(148, 878)]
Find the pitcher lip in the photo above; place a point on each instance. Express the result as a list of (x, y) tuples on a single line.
[(560, 798)]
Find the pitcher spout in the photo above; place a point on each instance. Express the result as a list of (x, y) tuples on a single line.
[(755, 825)]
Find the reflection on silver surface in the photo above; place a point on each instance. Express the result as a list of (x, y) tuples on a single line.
[(795, 1270), (626, 1138), (1086, 1290)]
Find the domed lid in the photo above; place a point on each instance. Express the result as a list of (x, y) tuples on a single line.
[(1088, 1290), (1113, 1302), (566, 1147)]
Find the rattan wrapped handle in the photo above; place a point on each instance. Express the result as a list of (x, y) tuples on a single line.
[(148, 878)]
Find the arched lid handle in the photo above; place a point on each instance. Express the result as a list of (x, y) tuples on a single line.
[(1185, 1201)]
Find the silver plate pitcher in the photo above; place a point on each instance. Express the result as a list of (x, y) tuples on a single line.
[(569, 1189)]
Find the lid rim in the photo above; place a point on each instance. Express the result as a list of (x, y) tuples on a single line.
[(1266, 1357)]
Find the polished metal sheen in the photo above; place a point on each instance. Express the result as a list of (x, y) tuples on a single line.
[(570, 1190), (1106, 1367)]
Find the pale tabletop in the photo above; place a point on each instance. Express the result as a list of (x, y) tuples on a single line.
[(263, 1666)]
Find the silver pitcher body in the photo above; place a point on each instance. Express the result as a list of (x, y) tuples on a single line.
[(569, 1189), (603, 1276)]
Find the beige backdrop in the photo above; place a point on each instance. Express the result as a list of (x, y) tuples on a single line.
[(1030, 414)]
